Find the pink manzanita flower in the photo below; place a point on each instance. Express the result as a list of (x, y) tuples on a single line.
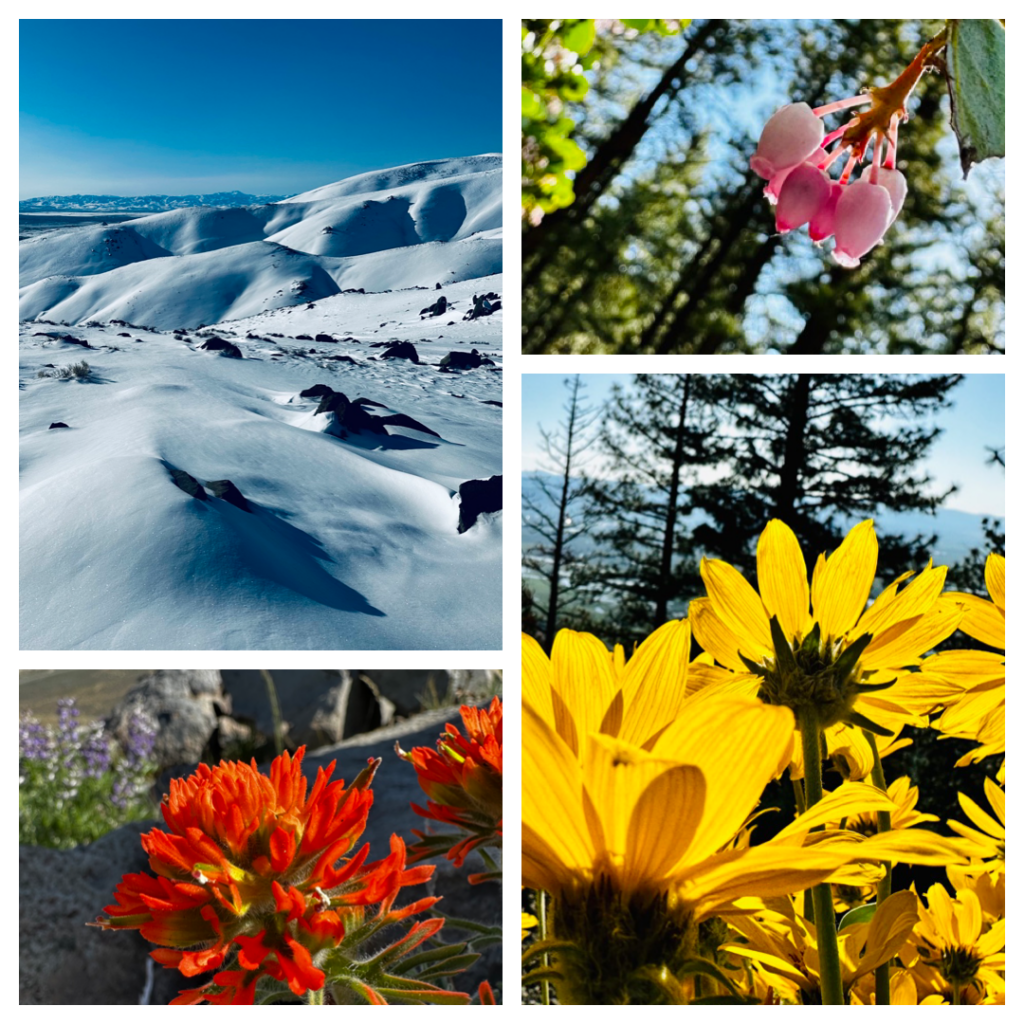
[(805, 190), (792, 155), (863, 214)]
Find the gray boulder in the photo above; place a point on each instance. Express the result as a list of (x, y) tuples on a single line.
[(60, 959), (183, 704), (317, 706)]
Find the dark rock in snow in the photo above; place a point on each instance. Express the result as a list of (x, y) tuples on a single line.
[(477, 496), (323, 338), (316, 391), (54, 426), (401, 350), (303, 337), (71, 340), (225, 348), (229, 492), (343, 359), (189, 484), (123, 334), (464, 361), (435, 309)]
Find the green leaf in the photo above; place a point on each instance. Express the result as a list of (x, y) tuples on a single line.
[(859, 915), (579, 37), (640, 24), (976, 62)]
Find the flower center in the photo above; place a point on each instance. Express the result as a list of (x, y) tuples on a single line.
[(959, 965)]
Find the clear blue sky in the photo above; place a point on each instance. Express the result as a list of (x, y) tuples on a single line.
[(128, 107), (975, 421)]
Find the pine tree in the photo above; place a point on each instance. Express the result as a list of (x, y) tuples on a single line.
[(819, 451), (553, 515), (656, 436)]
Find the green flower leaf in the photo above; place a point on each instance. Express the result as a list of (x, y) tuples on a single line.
[(976, 61), (859, 915)]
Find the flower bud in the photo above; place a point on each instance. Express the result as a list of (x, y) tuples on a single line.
[(862, 215), (804, 192), (791, 135)]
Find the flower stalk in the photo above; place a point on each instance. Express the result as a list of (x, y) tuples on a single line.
[(885, 883), (824, 914)]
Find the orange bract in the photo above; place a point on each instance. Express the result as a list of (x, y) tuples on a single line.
[(462, 780), (251, 862)]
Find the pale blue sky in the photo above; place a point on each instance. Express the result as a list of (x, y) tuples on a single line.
[(974, 422)]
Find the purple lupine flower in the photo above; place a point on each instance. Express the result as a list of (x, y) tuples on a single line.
[(34, 741), (68, 731), (96, 752)]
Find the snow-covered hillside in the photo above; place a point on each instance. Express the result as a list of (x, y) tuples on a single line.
[(344, 527), (205, 263)]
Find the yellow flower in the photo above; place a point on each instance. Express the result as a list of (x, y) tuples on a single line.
[(952, 943), (988, 840), (977, 708), (633, 794), (529, 922), (781, 945), (814, 647)]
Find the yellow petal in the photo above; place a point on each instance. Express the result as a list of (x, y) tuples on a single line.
[(915, 599), (906, 642), (767, 870), (782, 579), (654, 682), (552, 801), (663, 823), (775, 964), (995, 579), (912, 846), (997, 798), (537, 679), (984, 821), (842, 587), (982, 620), (740, 746), (737, 604), (890, 927), (582, 675), (714, 635), (993, 940), (849, 799)]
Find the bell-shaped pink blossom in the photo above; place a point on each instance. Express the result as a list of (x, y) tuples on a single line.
[(791, 135), (803, 193), (862, 215), (896, 185), (823, 223), (774, 186)]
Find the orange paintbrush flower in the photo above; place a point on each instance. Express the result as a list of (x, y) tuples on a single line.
[(462, 781), (252, 865)]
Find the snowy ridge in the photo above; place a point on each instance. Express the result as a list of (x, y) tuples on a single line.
[(137, 204), (93, 272)]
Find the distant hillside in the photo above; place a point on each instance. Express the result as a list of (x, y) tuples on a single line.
[(138, 204)]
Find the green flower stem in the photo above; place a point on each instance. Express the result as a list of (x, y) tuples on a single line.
[(315, 998), (824, 913), (542, 917), (956, 993), (885, 884)]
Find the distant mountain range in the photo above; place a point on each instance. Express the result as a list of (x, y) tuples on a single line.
[(138, 204), (957, 532)]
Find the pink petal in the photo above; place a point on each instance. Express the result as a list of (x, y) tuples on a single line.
[(896, 185), (791, 135), (862, 216), (804, 192), (771, 190), (823, 223)]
